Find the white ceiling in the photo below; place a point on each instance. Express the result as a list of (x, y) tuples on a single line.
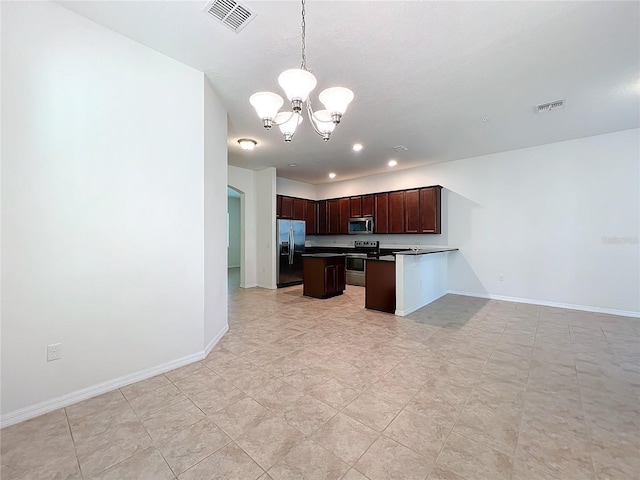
[(424, 74)]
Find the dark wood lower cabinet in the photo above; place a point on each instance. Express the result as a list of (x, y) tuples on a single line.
[(323, 275), (380, 286)]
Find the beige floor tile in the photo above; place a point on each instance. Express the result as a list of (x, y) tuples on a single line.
[(308, 461), (146, 464), (193, 444), (240, 417), (386, 460), (165, 423), (392, 391), (353, 474), (219, 394), (345, 438), (95, 405), (145, 386), (440, 473), (151, 402), (269, 441), (473, 460), (186, 371), (334, 393), (372, 411), (308, 414), (229, 462), (200, 380), (421, 434), (277, 395), (103, 451), (89, 426), (559, 452)]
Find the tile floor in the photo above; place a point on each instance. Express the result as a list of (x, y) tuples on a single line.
[(464, 389)]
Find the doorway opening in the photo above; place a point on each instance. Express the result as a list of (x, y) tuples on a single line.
[(235, 254)]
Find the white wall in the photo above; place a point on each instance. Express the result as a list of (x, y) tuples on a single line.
[(103, 207), (292, 188), (540, 216), (244, 181), (215, 213), (233, 252), (266, 227)]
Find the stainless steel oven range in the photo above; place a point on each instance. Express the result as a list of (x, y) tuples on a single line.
[(356, 263)]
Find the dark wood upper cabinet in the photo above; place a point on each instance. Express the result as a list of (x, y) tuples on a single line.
[(322, 218), (299, 209), (286, 210), (381, 212), (367, 205), (278, 206), (345, 212), (310, 217), (430, 198), (412, 211), (333, 216), (396, 212), (356, 207)]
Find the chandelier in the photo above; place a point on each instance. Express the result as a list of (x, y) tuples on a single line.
[(297, 84)]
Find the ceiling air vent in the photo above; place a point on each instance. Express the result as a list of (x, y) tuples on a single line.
[(547, 107), (230, 13)]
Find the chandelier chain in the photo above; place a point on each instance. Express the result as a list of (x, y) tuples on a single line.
[(303, 66)]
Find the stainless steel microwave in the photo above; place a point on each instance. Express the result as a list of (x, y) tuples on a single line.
[(360, 225)]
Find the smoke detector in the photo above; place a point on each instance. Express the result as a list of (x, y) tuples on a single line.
[(547, 107), (230, 13)]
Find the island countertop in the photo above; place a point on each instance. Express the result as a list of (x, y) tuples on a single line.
[(324, 255), (426, 251)]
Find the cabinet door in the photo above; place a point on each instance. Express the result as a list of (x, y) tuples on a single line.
[(333, 208), (356, 206), (340, 277), (430, 209), (299, 209), (345, 212), (396, 212), (310, 217), (367, 205), (329, 279), (278, 206), (286, 211), (412, 211), (322, 218), (381, 205)]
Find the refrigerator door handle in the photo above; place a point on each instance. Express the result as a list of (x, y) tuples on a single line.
[(292, 248)]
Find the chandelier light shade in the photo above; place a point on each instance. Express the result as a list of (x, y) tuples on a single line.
[(288, 122), (324, 124), (297, 84), (267, 105)]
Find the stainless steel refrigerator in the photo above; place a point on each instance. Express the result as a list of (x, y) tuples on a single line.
[(290, 235)]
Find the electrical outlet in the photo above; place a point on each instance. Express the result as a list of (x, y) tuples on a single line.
[(501, 277), (54, 352)]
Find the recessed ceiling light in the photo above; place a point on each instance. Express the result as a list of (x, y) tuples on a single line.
[(247, 143), (332, 175), (293, 164), (392, 163), (357, 147)]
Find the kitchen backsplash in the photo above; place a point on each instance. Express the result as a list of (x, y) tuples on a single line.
[(386, 241)]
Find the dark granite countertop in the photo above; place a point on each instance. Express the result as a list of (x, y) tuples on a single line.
[(426, 251), (323, 255)]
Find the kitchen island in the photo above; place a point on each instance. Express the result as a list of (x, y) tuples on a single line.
[(411, 278), (323, 274)]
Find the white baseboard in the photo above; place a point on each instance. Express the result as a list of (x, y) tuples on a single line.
[(248, 285), (407, 311), (215, 340), (62, 401), (569, 306)]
